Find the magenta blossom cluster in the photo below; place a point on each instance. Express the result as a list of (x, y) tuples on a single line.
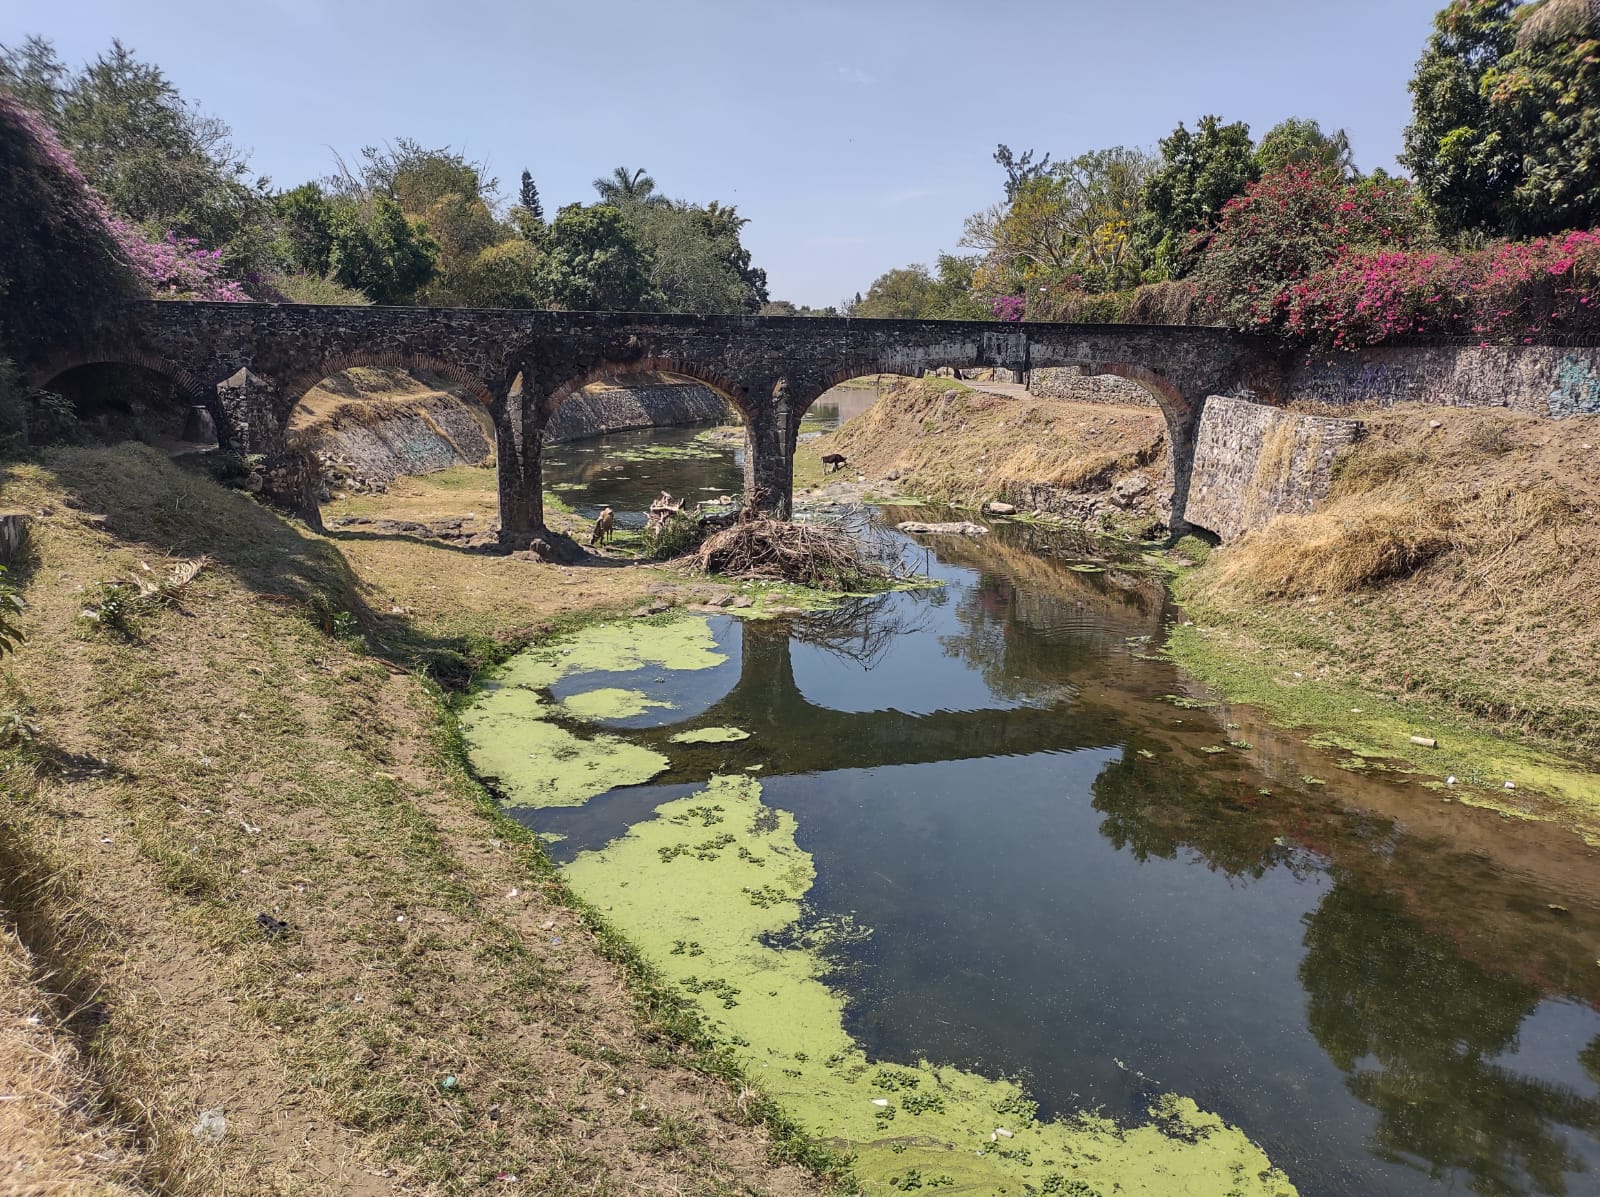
[(1009, 308), (1503, 292), (177, 267)]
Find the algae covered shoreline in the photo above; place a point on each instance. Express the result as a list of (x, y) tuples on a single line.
[(705, 885)]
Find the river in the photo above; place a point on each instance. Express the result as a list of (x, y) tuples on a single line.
[(1080, 872)]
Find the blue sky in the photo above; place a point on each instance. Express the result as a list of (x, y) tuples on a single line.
[(855, 134)]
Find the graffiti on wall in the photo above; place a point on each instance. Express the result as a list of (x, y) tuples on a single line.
[(1577, 390)]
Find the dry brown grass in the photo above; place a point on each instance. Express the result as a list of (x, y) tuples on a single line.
[(55, 1135), (1463, 561), (232, 759), (965, 446)]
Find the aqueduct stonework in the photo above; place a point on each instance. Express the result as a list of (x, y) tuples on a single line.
[(523, 364)]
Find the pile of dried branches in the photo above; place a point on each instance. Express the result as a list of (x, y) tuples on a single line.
[(824, 556)]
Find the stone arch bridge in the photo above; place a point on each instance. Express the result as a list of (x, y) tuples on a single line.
[(251, 363)]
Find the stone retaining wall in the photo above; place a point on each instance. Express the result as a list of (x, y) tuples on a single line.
[(595, 411), (1543, 380), (1070, 384), (367, 444), (1252, 463)]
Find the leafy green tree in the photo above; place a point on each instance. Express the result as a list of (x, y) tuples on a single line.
[(906, 293), (1299, 142), (506, 275), (305, 229), (1071, 225), (384, 255), (1506, 118), (1019, 171), (1545, 95), (696, 263), (594, 263), (1464, 165), (624, 187), (1198, 173), (528, 198)]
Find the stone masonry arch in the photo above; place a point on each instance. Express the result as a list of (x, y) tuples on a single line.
[(264, 356)]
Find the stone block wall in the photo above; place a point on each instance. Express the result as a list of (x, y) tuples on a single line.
[(1252, 463), (1543, 380), (1070, 384), (367, 444), (597, 410)]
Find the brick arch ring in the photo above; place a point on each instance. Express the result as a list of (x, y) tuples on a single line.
[(186, 382), (720, 383), (302, 381)]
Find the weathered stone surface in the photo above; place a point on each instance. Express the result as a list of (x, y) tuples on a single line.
[(1543, 380), (635, 405), (367, 444), (1076, 387), (1252, 463), (998, 508), (958, 528)]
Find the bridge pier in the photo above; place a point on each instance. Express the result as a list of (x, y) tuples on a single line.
[(770, 434), (251, 425), (519, 421)]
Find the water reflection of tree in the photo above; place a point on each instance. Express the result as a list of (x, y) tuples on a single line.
[(861, 629), (1399, 1007), (1415, 1028), (1150, 817)]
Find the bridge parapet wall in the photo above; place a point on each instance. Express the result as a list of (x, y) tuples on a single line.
[(1543, 380)]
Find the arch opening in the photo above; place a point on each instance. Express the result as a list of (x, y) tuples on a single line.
[(107, 401), (394, 450), (619, 434)]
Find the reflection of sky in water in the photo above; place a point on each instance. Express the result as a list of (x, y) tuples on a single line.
[(1076, 895)]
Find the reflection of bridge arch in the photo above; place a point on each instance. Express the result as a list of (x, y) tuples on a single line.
[(800, 736)]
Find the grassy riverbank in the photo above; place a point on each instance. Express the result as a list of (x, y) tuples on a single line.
[(423, 1007), (1446, 589)]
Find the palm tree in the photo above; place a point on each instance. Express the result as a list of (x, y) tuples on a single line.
[(625, 188)]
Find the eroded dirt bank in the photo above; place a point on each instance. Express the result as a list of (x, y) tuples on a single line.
[(939, 439)]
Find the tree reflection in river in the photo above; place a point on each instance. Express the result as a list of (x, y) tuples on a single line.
[(1416, 1029)]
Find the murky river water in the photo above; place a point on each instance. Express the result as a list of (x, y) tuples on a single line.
[(1080, 873)]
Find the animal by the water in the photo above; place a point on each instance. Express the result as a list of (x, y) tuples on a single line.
[(602, 526), (833, 461)]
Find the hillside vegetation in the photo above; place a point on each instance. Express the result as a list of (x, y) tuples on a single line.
[(1456, 560), (243, 871)]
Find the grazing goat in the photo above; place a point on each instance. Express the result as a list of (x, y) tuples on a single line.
[(833, 461), (602, 527)]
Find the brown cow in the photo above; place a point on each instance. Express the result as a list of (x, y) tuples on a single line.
[(602, 527)]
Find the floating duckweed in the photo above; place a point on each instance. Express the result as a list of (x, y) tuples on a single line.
[(781, 1010), (538, 764), (711, 735), (610, 704)]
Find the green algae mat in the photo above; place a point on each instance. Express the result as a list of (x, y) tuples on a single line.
[(708, 882)]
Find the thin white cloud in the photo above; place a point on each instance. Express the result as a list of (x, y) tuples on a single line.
[(857, 76)]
